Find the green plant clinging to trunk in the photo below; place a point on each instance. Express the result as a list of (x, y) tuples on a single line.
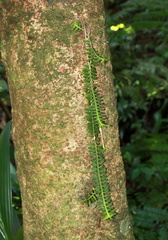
[(95, 115)]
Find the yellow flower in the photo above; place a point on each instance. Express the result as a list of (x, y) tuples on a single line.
[(117, 27), (121, 25), (114, 28)]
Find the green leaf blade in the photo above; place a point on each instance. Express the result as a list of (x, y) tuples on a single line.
[(5, 182)]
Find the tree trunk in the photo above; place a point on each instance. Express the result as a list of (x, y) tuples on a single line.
[(45, 47)]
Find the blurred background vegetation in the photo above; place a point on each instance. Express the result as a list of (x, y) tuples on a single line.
[(138, 43)]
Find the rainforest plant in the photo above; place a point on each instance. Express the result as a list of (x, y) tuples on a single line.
[(95, 115), (138, 39), (96, 120), (9, 223)]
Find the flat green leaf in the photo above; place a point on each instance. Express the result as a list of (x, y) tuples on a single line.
[(5, 183), (19, 234), (8, 219), (3, 235)]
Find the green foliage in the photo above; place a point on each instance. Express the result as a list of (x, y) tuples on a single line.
[(76, 26), (153, 220), (143, 49), (147, 169), (19, 234), (4, 94), (138, 43), (91, 198), (95, 115), (95, 109), (6, 211), (9, 222)]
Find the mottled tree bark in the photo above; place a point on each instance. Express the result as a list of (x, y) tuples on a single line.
[(44, 59)]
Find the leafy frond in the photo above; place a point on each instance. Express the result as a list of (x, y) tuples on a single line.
[(149, 216), (96, 118), (93, 56), (154, 220), (76, 26), (91, 198), (100, 180), (95, 101)]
